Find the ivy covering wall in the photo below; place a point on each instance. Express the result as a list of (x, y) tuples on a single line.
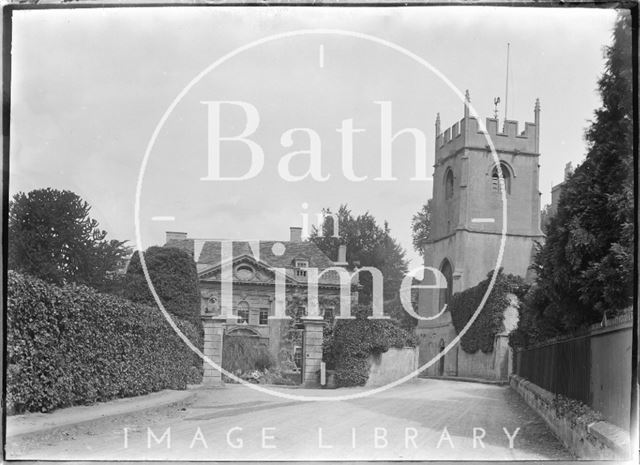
[(71, 345), (348, 345), (463, 305)]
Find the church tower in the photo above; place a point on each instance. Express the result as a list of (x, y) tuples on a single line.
[(467, 219)]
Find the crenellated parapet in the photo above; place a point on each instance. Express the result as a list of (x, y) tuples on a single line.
[(467, 133)]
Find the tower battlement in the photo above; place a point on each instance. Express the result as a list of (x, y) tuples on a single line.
[(467, 133)]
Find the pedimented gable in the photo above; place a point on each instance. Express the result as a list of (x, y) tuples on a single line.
[(245, 269)]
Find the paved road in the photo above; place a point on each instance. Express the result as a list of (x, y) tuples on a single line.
[(424, 420)]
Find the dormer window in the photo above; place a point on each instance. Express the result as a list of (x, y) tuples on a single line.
[(300, 266)]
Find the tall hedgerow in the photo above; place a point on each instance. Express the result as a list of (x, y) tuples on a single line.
[(174, 277), (71, 345)]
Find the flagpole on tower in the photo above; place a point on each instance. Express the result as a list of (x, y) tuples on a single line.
[(506, 90)]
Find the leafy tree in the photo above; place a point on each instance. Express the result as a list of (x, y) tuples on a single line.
[(421, 227), (539, 319), (52, 237), (368, 244), (175, 280), (585, 267)]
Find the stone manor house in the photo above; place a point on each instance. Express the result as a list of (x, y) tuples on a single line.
[(254, 283)]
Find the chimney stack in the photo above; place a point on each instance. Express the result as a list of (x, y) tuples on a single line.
[(295, 234), (175, 236), (342, 255)]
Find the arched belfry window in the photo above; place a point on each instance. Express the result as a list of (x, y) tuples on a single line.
[(448, 184), (495, 178), (445, 293)]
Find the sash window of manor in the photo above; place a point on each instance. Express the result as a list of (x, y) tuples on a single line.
[(328, 314), (242, 311), (300, 312), (263, 317)]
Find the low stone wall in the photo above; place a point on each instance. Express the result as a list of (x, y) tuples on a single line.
[(598, 440), (392, 365), (478, 365), (493, 366)]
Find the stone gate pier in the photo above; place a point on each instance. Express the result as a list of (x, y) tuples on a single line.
[(213, 336), (312, 350)]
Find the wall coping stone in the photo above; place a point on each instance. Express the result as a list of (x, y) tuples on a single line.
[(607, 438), (611, 435)]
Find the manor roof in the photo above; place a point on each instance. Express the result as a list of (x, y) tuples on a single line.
[(211, 255)]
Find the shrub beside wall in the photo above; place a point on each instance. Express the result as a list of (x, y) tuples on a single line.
[(348, 345), (242, 354), (72, 346)]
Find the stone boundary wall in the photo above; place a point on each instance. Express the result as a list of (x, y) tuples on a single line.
[(392, 365), (598, 440), (493, 366)]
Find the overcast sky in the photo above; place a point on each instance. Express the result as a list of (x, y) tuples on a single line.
[(90, 86)]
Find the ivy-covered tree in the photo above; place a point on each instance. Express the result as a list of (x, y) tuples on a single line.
[(51, 236), (174, 277), (490, 320), (585, 267)]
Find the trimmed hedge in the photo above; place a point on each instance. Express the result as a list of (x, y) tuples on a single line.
[(463, 305), (71, 345), (348, 345), (175, 279)]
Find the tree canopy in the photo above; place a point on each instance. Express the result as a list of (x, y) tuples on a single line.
[(585, 267), (51, 236), (368, 244), (174, 277)]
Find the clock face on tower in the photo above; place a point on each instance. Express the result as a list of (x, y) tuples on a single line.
[(290, 128)]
